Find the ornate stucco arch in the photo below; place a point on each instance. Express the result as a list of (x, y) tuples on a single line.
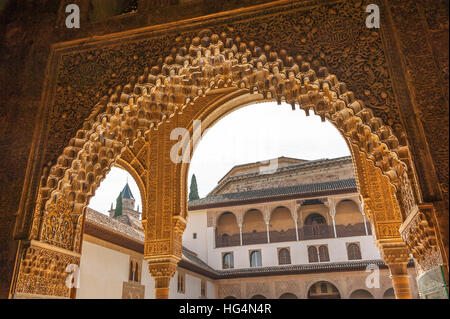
[(203, 78)]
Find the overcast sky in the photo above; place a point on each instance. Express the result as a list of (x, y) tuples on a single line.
[(254, 133)]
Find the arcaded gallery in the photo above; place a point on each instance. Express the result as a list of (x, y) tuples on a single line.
[(105, 194)]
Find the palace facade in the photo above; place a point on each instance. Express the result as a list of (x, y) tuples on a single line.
[(297, 232)]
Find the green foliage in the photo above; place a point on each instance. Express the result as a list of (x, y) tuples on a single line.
[(193, 190), (118, 211)]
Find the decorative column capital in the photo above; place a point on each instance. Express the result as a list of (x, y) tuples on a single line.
[(240, 216), (418, 232), (395, 255), (329, 202), (179, 224), (163, 268), (162, 271)]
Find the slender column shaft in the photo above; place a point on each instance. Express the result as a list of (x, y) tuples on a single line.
[(365, 224), (162, 287), (268, 232), (334, 226), (240, 234), (401, 286)]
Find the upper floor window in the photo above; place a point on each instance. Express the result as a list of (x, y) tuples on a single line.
[(194, 235), (227, 261), (180, 283), (203, 288), (284, 256), (313, 256), (323, 253), (255, 258), (134, 273), (353, 251)]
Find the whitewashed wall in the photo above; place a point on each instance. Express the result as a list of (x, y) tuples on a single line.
[(197, 223), (104, 269), (204, 246)]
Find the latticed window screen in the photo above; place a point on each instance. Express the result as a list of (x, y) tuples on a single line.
[(353, 251), (312, 254), (284, 256), (323, 253)]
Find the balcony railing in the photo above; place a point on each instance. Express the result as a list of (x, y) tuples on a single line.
[(351, 230), (318, 231), (254, 238), (307, 232), (284, 235), (227, 240)]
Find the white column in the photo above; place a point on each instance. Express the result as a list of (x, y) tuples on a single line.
[(240, 233), (295, 217), (332, 210), (240, 220), (334, 226), (365, 224), (266, 215), (360, 202)]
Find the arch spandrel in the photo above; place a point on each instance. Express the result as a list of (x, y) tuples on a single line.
[(206, 71)]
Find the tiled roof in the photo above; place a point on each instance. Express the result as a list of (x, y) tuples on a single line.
[(96, 218), (126, 192), (196, 260), (303, 268), (351, 265), (345, 184), (306, 165)]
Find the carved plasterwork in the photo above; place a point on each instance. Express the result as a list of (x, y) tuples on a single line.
[(196, 67), (60, 223), (395, 255), (258, 288), (325, 33), (133, 290), (42, 271), (418, 232), (138, 118), (290, 286), (233, 290)]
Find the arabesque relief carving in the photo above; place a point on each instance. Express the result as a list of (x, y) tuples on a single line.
[(191, 71), (418, 232), (42, 271), (138, 112)]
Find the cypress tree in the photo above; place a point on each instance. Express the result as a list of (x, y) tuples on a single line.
[(118, 211), (193, 191)]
